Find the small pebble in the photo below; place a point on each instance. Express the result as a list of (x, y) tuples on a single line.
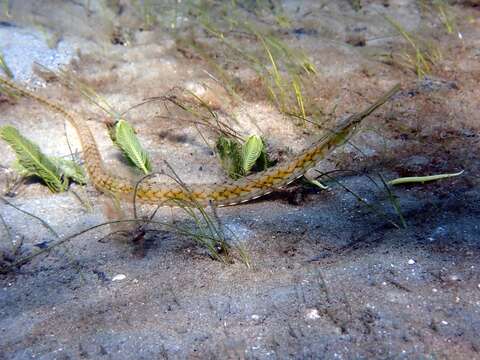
[(312, 314), (119, 277), (411, 262)]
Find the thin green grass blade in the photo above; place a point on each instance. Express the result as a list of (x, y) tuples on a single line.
[(317, 183), (87, 91), (422, 179), (43, 222), (4, 67), (394, 200)]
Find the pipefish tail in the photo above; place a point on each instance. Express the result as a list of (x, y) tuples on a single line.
[(225, 194)]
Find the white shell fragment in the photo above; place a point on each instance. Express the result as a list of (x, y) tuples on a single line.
[(119, 277)]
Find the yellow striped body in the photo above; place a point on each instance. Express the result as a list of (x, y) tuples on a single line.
[(228, 193)]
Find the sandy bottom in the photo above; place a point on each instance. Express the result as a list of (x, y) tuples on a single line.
[(330, 278)]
